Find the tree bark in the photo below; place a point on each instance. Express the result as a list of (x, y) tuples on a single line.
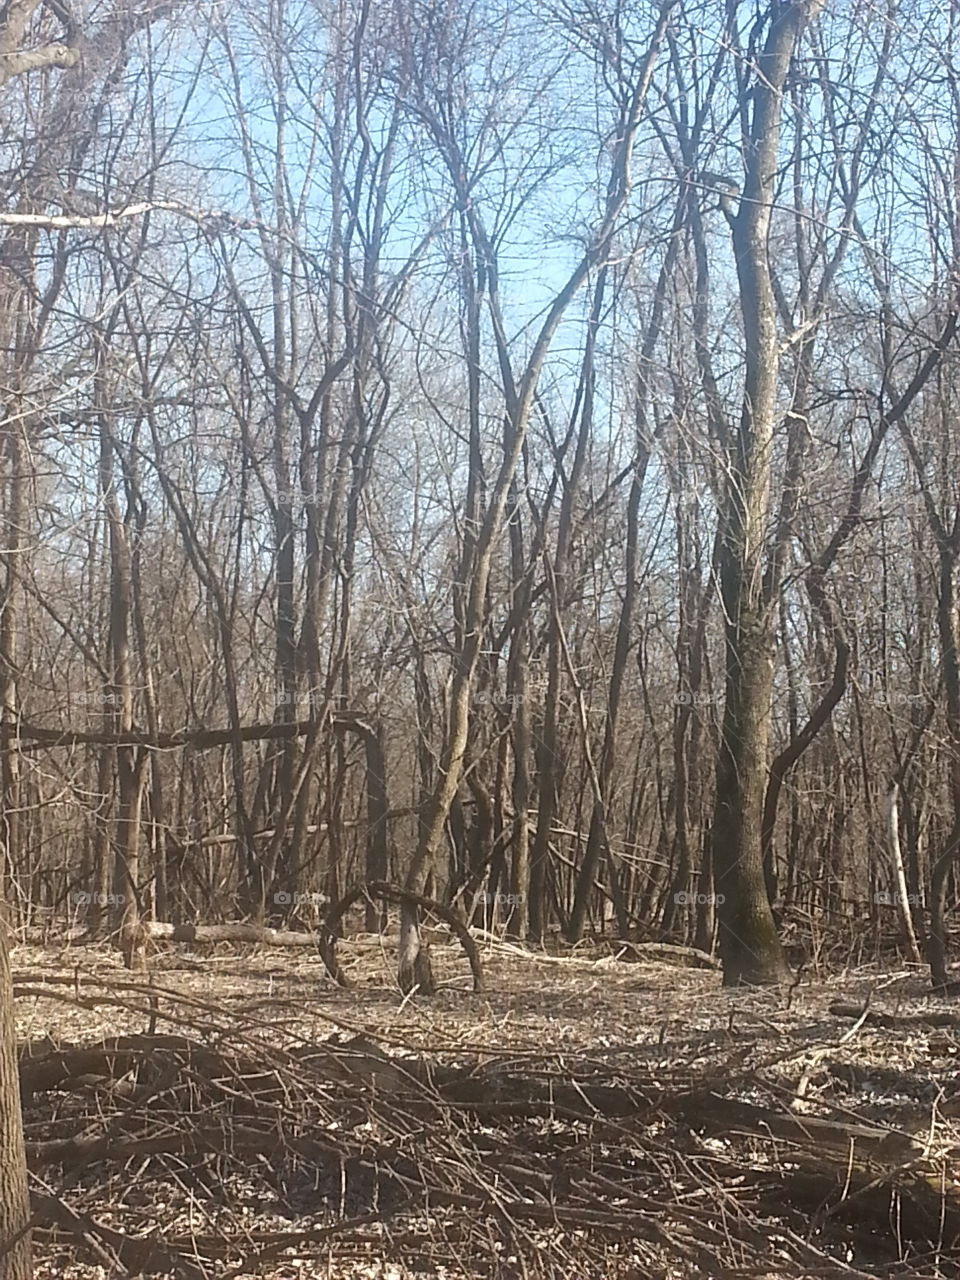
[(892, 824), (749, 945), (15, 1258)]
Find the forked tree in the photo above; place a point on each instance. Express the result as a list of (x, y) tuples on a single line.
[(749, 945), (436, 107)]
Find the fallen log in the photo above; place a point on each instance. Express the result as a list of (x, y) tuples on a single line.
[(197, 1140), (668, 952), (238, 932), (926, 1018), (358, 1063)]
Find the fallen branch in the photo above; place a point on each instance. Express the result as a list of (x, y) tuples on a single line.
[(404, 1136), (693, 957), (147, 1256), (930, 1018), (31, 737)]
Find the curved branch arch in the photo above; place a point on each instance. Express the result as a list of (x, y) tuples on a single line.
[(398, 897)]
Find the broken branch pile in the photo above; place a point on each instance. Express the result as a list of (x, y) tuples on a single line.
[(186, 1154)]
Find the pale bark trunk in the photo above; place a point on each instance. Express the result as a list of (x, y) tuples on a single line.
[(892, 824)]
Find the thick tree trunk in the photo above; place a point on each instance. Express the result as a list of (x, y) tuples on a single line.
[(749, 945), (950, 665), (15, 1260), (414, 970)]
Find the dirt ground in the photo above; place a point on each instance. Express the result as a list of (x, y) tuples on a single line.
[(721, 1132)]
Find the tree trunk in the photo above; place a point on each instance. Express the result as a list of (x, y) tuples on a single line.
[(749, 945), (892, 822), (15, 1259), (950, 664), (15, 522)]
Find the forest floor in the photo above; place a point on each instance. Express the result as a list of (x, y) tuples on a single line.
[(235, 1113)]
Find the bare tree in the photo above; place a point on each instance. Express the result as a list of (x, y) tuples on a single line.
[(748, 938), (520, 395)]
